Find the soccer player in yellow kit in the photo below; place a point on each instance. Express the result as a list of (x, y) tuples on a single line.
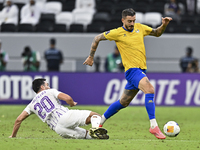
[(130, 41)]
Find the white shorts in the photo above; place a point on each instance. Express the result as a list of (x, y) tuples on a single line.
[(68, 124)]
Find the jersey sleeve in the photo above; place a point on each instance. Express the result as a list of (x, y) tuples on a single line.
[(28, 109), (55, 92), (111, 35), (146, 29)]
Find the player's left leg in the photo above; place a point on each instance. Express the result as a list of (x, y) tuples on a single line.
[(124, 101), (148, 89), (129, 93), (75, 133)]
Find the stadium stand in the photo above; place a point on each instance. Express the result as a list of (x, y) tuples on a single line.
[(105, 6), (141, 7), (101, 17), (68, 5), (96, 27), (76, 28), (8, 27), (139, 17), (108, 12), (48, 18), (152, 19), (26, 28), (60, 28), (157, 6), (64, 18), (83, 18), (53, 7), (46, 24)]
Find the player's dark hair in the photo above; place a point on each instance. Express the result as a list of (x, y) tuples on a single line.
[(37, 83), (128, 12)]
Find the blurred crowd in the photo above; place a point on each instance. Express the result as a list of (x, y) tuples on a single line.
[(31, 59)]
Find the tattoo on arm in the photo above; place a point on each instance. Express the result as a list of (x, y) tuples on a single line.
[(153, 32), (147, 80), (159, 31), (92, 53), (95, 43)]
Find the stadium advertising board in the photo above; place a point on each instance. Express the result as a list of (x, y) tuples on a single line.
[(171, 89)]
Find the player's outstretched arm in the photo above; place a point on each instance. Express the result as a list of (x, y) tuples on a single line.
[(90, 59), (67, 99), (160, 30), (18, 122)]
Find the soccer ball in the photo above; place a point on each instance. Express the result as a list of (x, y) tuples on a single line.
[(171, 129)]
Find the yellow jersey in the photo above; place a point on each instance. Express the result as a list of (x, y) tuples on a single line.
[(131, 45)]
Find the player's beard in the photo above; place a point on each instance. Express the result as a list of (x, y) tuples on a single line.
[(129, 28)]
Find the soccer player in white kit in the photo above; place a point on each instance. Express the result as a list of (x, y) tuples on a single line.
[(65, 122)]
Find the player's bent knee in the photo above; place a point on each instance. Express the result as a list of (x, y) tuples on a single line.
[(151, 90)]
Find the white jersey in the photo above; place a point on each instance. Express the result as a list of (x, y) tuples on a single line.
[(47, 107)]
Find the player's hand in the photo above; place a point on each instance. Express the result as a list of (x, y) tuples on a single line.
[(166, 20), (89, 61), (11, 136), (73, 104)]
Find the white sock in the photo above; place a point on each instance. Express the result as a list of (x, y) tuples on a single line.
[(87, 135), (103, 119), (153, 123), (95, 121)]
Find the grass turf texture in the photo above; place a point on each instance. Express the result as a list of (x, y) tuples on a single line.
[(128, 130)]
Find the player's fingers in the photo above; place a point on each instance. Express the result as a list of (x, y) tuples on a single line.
[(169, 18), (89, 64), (85, 63)]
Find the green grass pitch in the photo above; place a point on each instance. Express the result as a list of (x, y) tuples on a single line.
[(128, 130)]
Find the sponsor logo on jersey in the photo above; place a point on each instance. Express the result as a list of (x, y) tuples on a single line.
[(137, 30)]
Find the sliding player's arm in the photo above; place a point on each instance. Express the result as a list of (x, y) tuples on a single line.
[(90, 60), (18, 122), (68, 99)]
